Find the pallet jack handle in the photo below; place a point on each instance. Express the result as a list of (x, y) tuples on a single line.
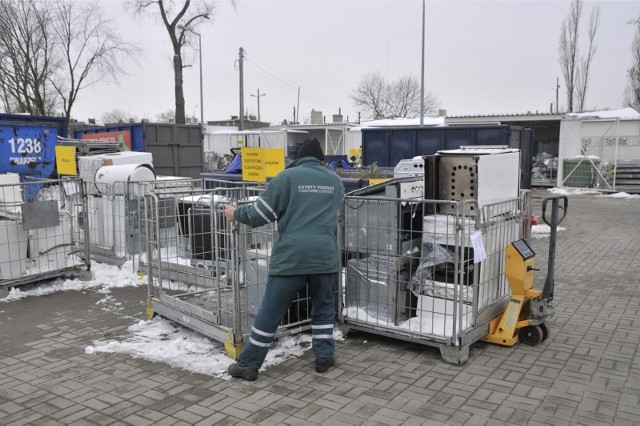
[(558, 202)]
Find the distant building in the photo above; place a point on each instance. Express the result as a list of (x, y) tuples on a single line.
[(250, 122)]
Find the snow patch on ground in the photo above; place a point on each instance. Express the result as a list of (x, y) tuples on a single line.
[(104, 278), (572, 191), (160, 340)]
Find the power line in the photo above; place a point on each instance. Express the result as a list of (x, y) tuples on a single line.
[(284, 81), (290, 86)]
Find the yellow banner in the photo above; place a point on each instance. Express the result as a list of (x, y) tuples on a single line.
[(355, 152), (253, 169), (66, 160), (273, 161)]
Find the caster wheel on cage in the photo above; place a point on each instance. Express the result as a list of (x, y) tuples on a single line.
[(530, 335), (546, 330)]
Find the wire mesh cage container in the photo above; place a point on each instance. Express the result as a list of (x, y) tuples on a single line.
[(209, 274), (429, 271), (41, 229)]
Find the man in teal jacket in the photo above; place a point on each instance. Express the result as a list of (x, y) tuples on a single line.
[(304, 199)]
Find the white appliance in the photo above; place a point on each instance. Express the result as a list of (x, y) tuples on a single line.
[(487, 175), (13, 250), (114, 180), (50, 247), (89, 165)]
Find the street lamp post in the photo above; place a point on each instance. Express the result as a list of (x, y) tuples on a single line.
[(258, 97)]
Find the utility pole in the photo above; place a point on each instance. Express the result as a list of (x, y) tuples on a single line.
[(241, 58), (258, 97), (557, 90), (297, 117)]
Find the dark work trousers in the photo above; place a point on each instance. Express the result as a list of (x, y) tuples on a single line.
[(280, 292)]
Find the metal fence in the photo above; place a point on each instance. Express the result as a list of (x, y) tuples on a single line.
[(42, 224), (427, 271), (206, 273)]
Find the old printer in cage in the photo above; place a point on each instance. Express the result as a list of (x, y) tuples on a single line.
[(201, 223), (382, 226)]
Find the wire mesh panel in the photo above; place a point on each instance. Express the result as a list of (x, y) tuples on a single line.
[(581, 172), (209, 274), (115, 215), (41, 226), (414, 272), (617, 155), (600, 153)]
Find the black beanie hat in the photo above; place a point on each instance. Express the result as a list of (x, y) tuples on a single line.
[(311, 148)]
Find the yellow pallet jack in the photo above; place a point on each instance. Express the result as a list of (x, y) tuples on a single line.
[(525, 315)]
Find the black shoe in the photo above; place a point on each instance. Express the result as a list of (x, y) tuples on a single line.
[(322, 365), (243, 371)]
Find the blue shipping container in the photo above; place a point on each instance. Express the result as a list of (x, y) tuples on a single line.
[(387, 146), (134, 132), (29, 150), (35, 121)]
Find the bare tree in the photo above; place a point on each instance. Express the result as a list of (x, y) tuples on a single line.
[(118, 116), (89, 49), (168, 116), (401, 98), (582, 80), (632, 91), (372, 95), (576, 69), (181, 20), (569, 50), (26, 58), (404, 99)]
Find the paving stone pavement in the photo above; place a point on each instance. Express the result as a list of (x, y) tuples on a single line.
[(586, 373)]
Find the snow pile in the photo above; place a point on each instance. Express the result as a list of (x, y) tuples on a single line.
[(585, 191), (393, 122), (623, 114), (542, 231), (159, 340), (103, 278), (572, 191), (622, 195)]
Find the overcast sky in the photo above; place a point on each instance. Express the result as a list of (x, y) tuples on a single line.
[(481, 57)]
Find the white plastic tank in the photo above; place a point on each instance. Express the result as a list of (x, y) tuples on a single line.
[(113, 180)]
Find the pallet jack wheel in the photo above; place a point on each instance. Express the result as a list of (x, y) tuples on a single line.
[(546, 330), (531, 335)]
